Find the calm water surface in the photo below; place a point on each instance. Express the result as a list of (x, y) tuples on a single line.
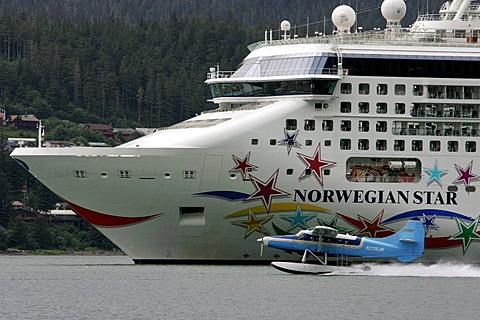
[(106, 287)]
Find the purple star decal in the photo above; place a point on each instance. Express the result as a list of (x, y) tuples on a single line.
[(243, 165), (429, 223), (266, 190), (290, 140), (465, 175), (315, 164)]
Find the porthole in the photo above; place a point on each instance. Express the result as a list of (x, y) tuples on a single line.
[(104, 175), (167, 175), (233, 176), (470, 188)]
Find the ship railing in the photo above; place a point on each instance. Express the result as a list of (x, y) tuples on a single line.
[(457, 132), (279, 73), (219, 74), (400, 36), (430, 17), (247, 106)]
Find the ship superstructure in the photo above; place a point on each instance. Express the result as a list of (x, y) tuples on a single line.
[(358, 131)]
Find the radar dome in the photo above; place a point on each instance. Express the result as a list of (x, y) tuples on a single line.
[(393, 10), (343, 17), (285, 25)]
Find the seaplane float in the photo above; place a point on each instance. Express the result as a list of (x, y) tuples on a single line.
[(324, 242)]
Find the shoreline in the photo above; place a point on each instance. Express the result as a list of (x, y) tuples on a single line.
[(54, 252)]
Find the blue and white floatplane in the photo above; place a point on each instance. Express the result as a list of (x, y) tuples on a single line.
[(406, 245)]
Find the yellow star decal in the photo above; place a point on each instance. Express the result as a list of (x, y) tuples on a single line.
[(253, 224)]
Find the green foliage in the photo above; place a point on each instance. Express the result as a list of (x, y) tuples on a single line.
[(147, 75)]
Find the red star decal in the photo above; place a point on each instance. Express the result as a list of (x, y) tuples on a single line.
[(465, 175), (315, 164), (370, 228), (243, 165), (266, 190)]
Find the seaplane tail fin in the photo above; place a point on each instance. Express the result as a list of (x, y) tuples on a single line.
[(410, 240)]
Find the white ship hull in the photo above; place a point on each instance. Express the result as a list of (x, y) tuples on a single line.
[(206, 189)]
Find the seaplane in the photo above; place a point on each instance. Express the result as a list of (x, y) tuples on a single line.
[(323, 242)]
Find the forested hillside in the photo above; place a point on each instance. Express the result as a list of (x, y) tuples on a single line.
[(249, 13), (107, 71)]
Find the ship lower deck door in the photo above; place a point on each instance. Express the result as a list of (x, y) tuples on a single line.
[(212, 167)]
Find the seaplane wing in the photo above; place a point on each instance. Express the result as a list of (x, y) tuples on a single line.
[(406, 245)]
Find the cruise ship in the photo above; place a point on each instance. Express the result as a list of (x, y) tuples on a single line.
[(356, 130)]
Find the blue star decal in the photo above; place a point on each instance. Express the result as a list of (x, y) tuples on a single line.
[(298, 219), (290, 140), (435, 174), (429, 223)]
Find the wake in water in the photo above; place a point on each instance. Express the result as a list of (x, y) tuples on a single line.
[(450, 270)]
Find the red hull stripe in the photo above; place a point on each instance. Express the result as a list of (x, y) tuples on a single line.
[(107, 220)]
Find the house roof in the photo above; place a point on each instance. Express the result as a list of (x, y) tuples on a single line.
[(17, 203), (24, 117), (97, 126)]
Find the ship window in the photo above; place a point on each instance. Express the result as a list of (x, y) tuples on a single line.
[(381, 145), (399, 108), (254, 142), (417, 90), (399, 145), (452, 188), (363, 107), (81, 174), (189, 174), (382, 89), (381, 126), (470, 146), (326, 172), (327, 125), (327, 143), (363, 144), (291, 124), (363, 126), (309, 125), (345, 107), (345, 144), (417, 145), (124, 174), (346, 88), (381, 107), (308, 142), (345, 125), (435, 145), (289, 172), (364, 88), (400, 89), (308, 172), (318, 105), (470, 188), (273, 142), (452, 146), (384, 170)]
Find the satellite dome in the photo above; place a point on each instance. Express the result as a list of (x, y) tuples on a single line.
[(393, 10), (285, 25), (343, 18)]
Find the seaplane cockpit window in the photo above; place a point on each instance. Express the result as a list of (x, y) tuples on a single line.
[(324, 232)]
